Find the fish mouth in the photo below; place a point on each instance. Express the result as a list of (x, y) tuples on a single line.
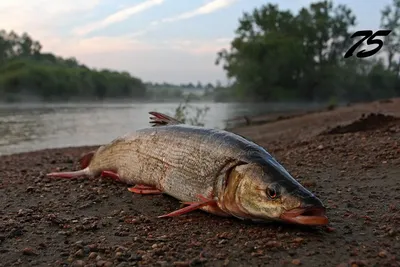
[(306, 216)]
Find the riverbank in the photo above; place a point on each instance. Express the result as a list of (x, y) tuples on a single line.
[(349, 157)]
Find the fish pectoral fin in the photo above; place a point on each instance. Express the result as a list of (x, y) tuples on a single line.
[(192, 206), (111, 175), (145, 190)]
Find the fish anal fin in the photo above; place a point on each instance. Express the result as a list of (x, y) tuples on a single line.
[(203, 201), (161, 119), (69, 175), (111, 175), (145, 190), (85, 159)]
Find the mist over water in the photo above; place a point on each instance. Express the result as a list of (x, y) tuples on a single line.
[(29, 127)]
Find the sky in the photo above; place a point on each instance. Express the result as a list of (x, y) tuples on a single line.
[(173, 41)]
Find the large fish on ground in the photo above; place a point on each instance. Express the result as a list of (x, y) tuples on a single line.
[(213, 170)]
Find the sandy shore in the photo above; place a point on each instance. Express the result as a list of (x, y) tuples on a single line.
[(354, 169)]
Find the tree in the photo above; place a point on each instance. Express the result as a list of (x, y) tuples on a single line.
[(390, 19), (25, 70), (278, 55)]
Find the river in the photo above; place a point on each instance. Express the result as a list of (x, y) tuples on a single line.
[(28, 127)]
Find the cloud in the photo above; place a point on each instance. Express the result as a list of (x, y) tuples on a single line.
[(40, 16), (42, 19), (98, 45), (207, 8), (117, 17), (77, 47), (198, 47)]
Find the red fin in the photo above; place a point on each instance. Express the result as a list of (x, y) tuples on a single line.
[(192, 206), (85, 160), (145, 190), (161, 119), (111, 174)]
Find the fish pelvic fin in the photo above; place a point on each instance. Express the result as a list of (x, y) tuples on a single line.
[(85, 159), (73, 174), (160, 119)]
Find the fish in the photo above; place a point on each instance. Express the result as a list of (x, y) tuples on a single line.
[(213, 170)]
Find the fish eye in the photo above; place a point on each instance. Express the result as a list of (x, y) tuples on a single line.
[(272, 192)]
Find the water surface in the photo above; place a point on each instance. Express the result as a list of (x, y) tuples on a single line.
[(28, 127)]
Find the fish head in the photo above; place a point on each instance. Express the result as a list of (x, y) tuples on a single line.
[(268, 192)]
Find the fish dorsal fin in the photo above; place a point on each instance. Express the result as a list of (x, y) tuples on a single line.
[(85, 159), (160, 119)]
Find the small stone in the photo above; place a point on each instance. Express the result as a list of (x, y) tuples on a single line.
[(162, 263), (296, 262), (29, 252), (79, 243), (78, 263), (92, 255), (181, 264), (100, 263), (92, 247), (79, 253), (382, 254), (30, 189), (298, 240), (121, 249), (391, 232), (329, 229), (108, 264)]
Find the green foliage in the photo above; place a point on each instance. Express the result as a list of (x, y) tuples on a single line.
[(182, 113), (25, 71), (278, 55)]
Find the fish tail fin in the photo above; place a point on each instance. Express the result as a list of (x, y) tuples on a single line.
[(73, 174), (161, 119), (85, 159)]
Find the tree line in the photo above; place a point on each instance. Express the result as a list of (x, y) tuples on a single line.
[(276, 55), (279, 55), (27, 73)]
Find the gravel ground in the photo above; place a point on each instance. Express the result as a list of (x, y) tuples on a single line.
[(349, 157)]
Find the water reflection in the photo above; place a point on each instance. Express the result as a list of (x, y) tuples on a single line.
[(30, 127)]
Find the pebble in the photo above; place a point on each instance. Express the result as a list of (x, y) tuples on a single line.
[(102, 263), (29, 252), (382, 254), (329, 229), (79, 253), (78, 263), (181, 264), (298, 240), (92, 255), (296, 262)]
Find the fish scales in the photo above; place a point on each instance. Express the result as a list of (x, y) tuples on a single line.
[(180, 160)]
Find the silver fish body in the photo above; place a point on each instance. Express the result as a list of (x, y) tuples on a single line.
[(186, 162)]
